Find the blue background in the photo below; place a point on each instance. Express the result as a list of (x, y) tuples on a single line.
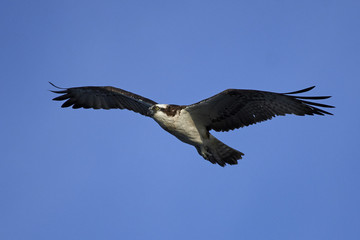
[(86, 174)]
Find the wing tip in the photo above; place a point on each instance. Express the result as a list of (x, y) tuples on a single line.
[(302, 90), (315, 110), (64, 90), (56, 86)]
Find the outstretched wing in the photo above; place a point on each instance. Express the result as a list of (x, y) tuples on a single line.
[(104, 98), (235, 108)]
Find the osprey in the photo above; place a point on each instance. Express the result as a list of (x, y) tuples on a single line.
[(230, 109)]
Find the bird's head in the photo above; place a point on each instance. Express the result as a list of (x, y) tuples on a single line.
[(158, 107), (169, 110)]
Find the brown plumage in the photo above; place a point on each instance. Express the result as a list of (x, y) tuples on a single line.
[(228, 110), (235, 108), (103, 98)]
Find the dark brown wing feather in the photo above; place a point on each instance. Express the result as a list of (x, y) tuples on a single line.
[(103, 98), (235, 108)]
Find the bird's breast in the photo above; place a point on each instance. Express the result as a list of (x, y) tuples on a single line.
[(181, 126)]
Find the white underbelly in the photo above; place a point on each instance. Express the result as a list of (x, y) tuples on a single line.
[(181, 126)]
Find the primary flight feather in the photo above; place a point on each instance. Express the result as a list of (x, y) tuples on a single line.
[(228, 110)]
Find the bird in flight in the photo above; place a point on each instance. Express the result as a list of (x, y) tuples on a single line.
[(227, 110)]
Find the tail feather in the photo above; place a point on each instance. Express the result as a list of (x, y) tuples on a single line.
[(216, 151)]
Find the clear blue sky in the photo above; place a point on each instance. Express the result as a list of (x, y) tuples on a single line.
[(86, 174)]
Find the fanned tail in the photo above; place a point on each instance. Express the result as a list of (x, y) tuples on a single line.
[(216, 151)]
